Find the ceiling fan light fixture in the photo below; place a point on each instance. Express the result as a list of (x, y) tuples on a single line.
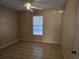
[(31, 8), (27, 5)]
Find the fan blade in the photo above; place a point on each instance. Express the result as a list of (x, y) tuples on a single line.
[(35, 7)]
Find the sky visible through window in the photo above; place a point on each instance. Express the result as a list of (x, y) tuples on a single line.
[(37, 25)]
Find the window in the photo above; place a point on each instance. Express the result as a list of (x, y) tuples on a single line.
[(37, 25)]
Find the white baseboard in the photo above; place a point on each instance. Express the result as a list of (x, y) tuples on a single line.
[(8, 44), (52, 42), (41, 41)]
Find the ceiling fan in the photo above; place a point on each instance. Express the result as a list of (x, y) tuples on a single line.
[(30, 7)]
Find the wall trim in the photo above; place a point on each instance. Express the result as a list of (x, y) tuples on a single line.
[(41, 41), (52, 42), (8, 44)]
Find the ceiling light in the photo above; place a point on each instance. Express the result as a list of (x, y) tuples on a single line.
[(28, 8), (27, 5)]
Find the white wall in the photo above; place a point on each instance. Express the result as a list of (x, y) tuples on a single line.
[(68, 33), (77, 33), (8, 25), (52, 27)]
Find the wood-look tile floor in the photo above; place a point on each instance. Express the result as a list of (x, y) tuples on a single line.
[(31, 50)]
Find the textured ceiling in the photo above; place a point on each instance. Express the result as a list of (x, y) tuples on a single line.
[(44, 4)]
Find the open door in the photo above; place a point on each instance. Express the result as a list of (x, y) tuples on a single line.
[(76, 55)]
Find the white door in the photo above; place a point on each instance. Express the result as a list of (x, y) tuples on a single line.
[(77, 33)]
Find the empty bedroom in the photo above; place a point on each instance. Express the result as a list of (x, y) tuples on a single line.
[(39, 29)]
